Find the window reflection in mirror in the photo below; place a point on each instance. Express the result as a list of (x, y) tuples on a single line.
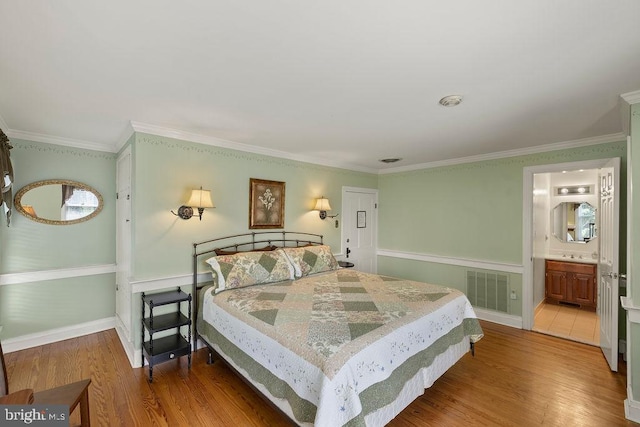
[(574, 222), (58, 202)]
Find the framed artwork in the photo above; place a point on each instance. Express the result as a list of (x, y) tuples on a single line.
[(266, 203), (361, 219)]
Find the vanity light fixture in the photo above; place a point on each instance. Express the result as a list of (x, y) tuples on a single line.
[(322, 205), (572, 190), (200, 199)]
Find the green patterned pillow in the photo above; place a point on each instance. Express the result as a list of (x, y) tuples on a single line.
[(250, 268), (311, 259)]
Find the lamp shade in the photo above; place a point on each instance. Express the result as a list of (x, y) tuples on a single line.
[(200, 199), (322, 204)]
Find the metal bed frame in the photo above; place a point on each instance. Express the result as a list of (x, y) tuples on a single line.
[(279, 239), (245, 242)]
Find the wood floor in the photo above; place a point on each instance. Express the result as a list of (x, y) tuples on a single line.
[(517, 378)]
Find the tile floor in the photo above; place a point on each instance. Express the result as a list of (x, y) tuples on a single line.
[(568, 322)]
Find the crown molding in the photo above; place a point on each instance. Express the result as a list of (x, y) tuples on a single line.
[(223, 143), (604, 139), (67, 142), (124, 137), (631, 97)]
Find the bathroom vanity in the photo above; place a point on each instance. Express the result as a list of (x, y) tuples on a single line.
[(571, 283)]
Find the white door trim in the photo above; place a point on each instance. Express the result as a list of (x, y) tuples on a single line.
[(527, 227)]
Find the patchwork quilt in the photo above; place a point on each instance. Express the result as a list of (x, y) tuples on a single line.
[(338, 345)]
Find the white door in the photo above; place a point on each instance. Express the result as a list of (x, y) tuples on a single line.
[(123, 242), (608, 262), (360, 228)]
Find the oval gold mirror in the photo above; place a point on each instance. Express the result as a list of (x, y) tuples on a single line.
[(58, 202)]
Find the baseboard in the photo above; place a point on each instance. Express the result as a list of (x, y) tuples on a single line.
[(57, 334), (631, 407), (133, 355), (500, 318), (538, 308)]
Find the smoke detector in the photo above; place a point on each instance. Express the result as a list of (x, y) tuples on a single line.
[(451, 100)]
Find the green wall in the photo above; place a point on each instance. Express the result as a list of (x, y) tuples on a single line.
[(165, 171), (470, 211), (30, 246)]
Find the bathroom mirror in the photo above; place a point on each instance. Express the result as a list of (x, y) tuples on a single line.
[(58, 202), (574, 222)]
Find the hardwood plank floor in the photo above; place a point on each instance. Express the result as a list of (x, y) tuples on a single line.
[(517, 378)]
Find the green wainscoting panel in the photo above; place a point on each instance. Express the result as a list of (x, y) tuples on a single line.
[(27, 246), (28, 308), (452, 276)]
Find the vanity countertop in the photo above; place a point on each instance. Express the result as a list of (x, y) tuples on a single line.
[(574, 259)]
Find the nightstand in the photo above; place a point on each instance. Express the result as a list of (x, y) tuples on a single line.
[(158, 350)]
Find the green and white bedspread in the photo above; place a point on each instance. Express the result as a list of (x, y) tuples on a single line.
[(337, 346)]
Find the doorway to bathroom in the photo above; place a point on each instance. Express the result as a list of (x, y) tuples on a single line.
[(570, 253)]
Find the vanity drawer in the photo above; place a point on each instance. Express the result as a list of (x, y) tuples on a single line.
[(571, 267)]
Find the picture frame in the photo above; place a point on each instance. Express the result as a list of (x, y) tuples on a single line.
[(266, 203), (361, 219)]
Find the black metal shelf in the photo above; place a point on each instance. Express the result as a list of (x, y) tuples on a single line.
[(166, 321), (163, 298), (167, 348)]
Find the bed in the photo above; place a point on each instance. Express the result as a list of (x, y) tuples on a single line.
[(328, 346)]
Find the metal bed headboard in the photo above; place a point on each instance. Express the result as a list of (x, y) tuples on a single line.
[(245, 242)]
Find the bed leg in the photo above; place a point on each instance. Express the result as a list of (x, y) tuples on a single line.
[(473, 349), (210, 358)]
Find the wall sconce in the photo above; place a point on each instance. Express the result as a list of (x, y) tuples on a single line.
[(323, 206), (200, 199)]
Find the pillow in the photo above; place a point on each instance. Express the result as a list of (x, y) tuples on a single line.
[(250, 268), (311, 259)]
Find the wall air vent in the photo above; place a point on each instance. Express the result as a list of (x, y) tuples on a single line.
[(488, 290)]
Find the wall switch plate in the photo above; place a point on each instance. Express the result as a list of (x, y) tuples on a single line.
[(513, 295)]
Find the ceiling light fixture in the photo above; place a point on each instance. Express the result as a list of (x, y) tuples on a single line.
[(451, 100), (390, 160)]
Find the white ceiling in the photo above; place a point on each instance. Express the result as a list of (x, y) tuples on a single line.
[(346, 82)]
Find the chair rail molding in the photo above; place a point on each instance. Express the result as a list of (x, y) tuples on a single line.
[(62, 273)]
